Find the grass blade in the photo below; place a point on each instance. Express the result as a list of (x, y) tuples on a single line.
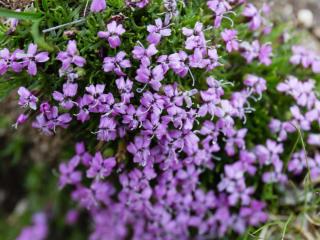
[(6, 13)]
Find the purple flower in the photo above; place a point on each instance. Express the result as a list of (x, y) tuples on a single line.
[(125, 89), (251, 12), (72, 217), (103, 192), (219, 8), (68, 173), (164, 61), (235, 138), (84, 196), (12, 23), (301, 56), (315, 168), (265, 54), (113, 33), (107, 129), (116, 63), (197, 60), (83, 103), (254, 213), (177, 63), (298, 162), (98, 5), (275, 176), (140, 150), (257, 84), (15, 60), (99, 167), (255, 50), (248, 161), (211, 98), (31, 58), (152, 76), (37, 231), (281, 128), (210, 143), (299, 120), (213, 60), (49, 119), (250, 51), (307, 58), (97, 100), (270, 153), (157, 31), (27, 99), (5, 61), (242, 193), (314, 139), (229, 36), (144, 54), (22, 118), (137, 3), (302, 92), (71, 56), (65, 98), (195, 37)]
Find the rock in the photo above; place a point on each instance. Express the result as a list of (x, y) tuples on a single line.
[(305, 17), (316, 32)]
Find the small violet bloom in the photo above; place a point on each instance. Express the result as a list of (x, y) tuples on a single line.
[(99, 167), (157, 31), (229, 36), (140, 150), (256, 84), (22, 118), (4, 61), (98, 5), (152, 76), (115, 64), (27, 99), (68, 173), (144, 54), (71, 56), (251, 12), (113, 33), (38, 230), (65, 98), (137, 3), (31, 58)]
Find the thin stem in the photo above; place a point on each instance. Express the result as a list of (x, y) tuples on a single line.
[(64, 25)]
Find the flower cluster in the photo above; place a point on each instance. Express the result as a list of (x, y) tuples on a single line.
[(170, 122), (306, 58), (37, 231), (304, 112), (19, 60)]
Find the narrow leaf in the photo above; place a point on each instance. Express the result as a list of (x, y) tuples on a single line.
[(38, 38), (6, 13)]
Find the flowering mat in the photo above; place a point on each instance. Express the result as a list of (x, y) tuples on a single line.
[(190, 120)]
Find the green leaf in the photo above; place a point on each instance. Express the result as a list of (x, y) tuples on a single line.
[(6, 86), (45, 5), (38, 38), (6, 13)]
